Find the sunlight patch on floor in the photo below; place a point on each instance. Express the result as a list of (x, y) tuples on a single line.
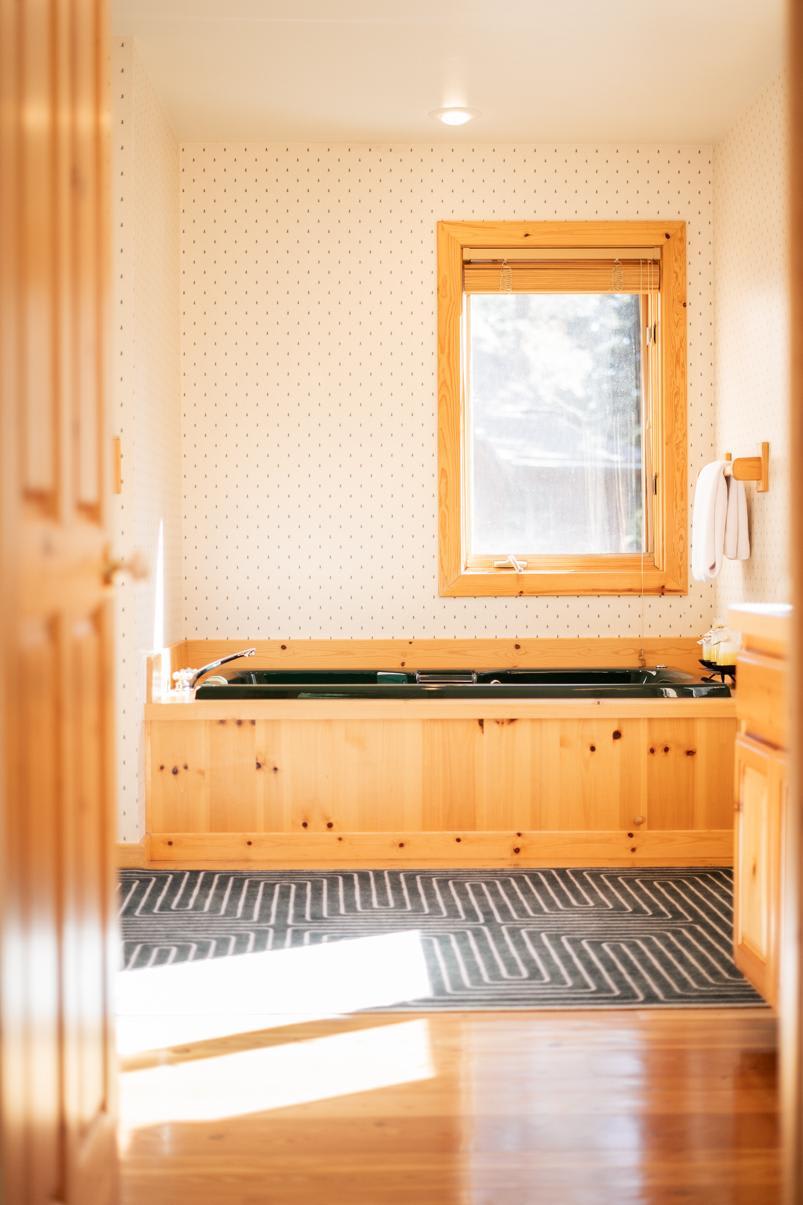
[(195, 1001), (277, 1077)]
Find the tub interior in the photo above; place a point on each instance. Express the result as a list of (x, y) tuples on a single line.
[(632, 682), (521, 677)]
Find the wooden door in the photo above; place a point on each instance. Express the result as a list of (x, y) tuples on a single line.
[(757, 865), (57, 943), (791, 1029)]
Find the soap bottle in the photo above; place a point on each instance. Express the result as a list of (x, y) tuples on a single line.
[(712, 638)]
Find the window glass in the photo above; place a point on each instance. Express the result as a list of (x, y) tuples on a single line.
[(554, 424)]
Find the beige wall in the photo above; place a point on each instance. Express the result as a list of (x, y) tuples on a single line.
[(309, 377), (751, 333), (145, 400)]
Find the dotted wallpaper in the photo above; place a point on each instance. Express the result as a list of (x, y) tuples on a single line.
[(145, 410), (752, 335), (308, 347)]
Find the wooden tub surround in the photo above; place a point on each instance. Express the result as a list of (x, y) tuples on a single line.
[(437, 782)]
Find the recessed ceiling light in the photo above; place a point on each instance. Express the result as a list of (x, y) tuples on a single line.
[(455, 115)]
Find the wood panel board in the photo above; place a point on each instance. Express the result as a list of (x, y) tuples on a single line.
[(457, 848), (471, 774), (482, 654)]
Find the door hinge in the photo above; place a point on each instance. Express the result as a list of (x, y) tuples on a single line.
[(655, 484)]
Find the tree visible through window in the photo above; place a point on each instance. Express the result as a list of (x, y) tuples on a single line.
[(555, 407)]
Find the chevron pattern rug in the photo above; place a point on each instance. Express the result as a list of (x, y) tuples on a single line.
[(513, 939)]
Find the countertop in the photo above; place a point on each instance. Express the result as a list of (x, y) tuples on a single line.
[(765, 621)]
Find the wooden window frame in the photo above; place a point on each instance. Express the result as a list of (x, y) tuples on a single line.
[(664, 570)]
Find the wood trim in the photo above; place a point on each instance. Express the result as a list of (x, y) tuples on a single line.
[(791, 986), (590, 576), (441, 849), (439, 709), (671, 512), (130, 855), (450, 402), (548, 255), (614, 565), (681, 652), (670, 573), (482, 235), (560, 276)]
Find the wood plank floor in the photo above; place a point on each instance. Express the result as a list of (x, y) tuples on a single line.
[(560, 1108)]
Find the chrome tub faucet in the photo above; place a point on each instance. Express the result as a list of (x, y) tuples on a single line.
[(187, 679)]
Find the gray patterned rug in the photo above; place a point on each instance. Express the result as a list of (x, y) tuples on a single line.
[(513, 939)]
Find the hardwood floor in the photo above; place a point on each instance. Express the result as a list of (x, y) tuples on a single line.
[(561, 1108)]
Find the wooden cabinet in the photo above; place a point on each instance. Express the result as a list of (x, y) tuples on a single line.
[(760, 782)]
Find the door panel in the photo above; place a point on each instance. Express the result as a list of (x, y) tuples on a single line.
[(58, 944), (89, 150), (87, 848), (753, 866), (38, 415), (757, 867), (39, 764)]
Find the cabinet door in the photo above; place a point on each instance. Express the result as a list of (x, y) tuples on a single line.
[(757, 872)]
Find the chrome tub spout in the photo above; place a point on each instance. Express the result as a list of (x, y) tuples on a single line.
[(199, 673)]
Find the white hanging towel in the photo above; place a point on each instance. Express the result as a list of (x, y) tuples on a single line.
[(708, 522), (737, 531)]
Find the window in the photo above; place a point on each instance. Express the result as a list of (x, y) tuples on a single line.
[(562, 399)]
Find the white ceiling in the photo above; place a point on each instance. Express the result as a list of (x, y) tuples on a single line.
[(537, 70)]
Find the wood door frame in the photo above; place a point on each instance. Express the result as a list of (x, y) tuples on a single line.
[(791, 1011)]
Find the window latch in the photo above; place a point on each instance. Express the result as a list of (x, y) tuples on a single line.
[(511, 562)]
